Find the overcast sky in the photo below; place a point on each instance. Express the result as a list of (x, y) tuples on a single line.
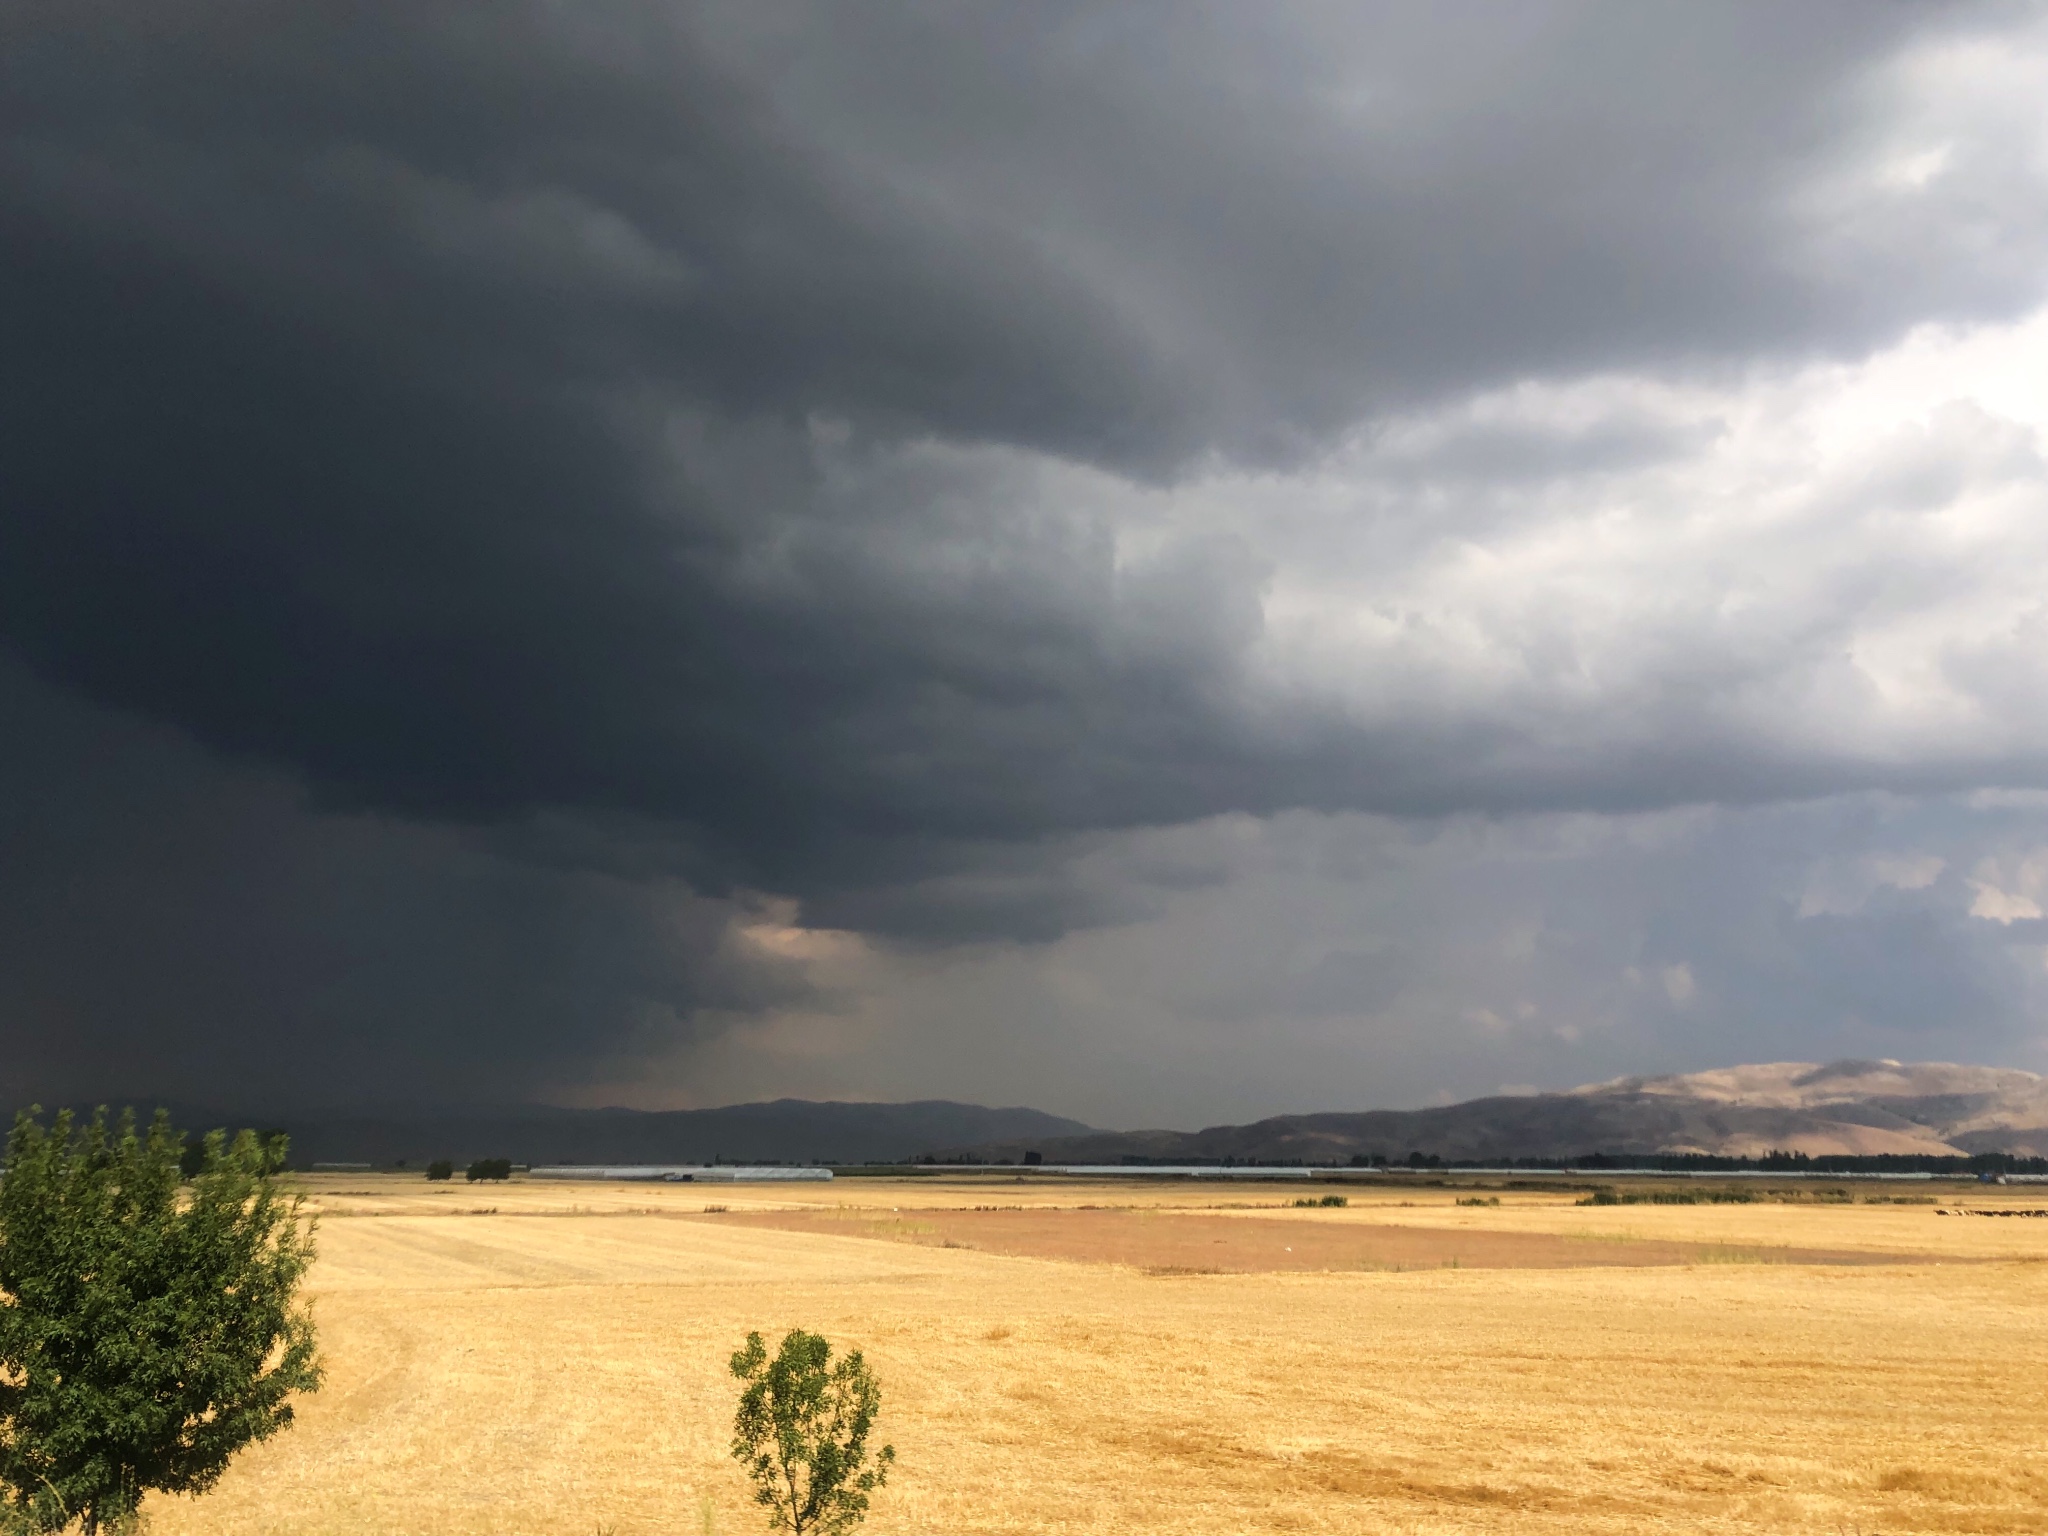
[(1167, 563)]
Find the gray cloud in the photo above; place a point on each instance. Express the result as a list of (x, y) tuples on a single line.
[(1328, 961), (628, 460), (1323, 210)]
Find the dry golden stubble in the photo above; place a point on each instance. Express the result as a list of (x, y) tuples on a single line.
[(548, 1370)]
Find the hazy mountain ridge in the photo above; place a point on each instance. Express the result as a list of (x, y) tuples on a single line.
[(1846, 1107), (783, 1130), (1853, 1107)]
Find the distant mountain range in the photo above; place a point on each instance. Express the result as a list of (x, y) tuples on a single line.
[(787, 1130), (1858, 1108)]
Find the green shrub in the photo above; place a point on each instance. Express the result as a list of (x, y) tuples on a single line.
[(441, 1169), (490, 1168), (1310, 1202), (1480, 1200), (1605, 1195), (801, 1431)]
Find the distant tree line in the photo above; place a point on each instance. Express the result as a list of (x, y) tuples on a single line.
[(1641, 1162), (442, 1169), (1776, 1162)]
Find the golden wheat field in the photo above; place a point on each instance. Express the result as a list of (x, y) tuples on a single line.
[(550, 1358)]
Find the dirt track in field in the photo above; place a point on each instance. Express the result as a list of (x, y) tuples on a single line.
[(1191, 1243)]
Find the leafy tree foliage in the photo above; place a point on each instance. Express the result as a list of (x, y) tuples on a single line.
[(441, 1168), (490, 1168), (802, 1434), (146, 1334), (276, 1146)]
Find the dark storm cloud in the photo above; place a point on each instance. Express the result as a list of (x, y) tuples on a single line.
[(170, 926), (303, 453), (344, 356), (637, 444)]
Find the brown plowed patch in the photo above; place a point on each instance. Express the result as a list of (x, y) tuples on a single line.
[(1192, 1243)]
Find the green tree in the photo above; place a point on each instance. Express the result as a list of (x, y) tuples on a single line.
[(802, 1433), (441, 1169), (276, 1146), (146, 1334)]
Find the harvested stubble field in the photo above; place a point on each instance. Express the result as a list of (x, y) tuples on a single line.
[(542, 1358)]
